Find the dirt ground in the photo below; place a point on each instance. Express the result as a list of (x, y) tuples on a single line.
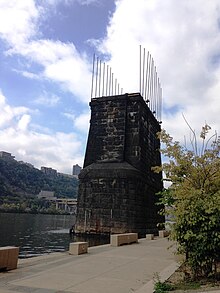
[(182, 282)]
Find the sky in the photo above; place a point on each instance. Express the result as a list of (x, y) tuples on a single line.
[(46, 60)]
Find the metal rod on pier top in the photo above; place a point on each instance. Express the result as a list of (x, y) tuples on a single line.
[(140, 68), (103, 81), (150, 87), (93, 68), (106, 83), (96, 82), (100, 74), (110, 80), (106, 89), (146, 78)]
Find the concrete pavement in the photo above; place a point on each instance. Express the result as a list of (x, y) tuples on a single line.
[(105, 269), (123, 269)]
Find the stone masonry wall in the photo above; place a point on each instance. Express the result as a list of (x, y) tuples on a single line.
[(107, 131)]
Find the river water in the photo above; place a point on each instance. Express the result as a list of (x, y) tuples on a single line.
[(38, 234)]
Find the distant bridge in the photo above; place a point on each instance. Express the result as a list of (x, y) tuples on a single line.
[(66, 204)]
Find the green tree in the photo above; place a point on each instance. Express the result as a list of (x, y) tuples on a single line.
[(193, 198)]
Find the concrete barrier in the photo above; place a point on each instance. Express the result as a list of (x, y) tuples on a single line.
[(126, 238), (150, 236), (77, 248), (163, 233), (8, 257)]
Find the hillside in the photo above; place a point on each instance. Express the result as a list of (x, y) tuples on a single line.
[(18, 179)]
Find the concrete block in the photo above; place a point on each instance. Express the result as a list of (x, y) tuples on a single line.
[(9, 257), (149, 236), (126, 238), (77, 248), (13, 253), (163, 233), (3, 258)]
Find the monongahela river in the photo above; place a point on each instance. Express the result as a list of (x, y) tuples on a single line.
[(38, 234)]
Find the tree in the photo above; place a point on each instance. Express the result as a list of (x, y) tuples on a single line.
[(194, 198)]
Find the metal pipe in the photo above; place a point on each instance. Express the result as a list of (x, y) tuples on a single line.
[(116, 86), (110, 76), (143, 84), (140, 69), (146, 77), (93, 69), (112, 83), (97, 67), (100, 75), (150, 86), (148, 80), (103, 83), (106, 89)]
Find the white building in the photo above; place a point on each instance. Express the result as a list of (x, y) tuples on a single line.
[(76, 170)]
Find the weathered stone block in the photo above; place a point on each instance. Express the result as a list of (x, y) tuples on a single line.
[(13, 253), (121, 239), (163, 233), (9, 257), (77, 248), (3, 258), (149, 236)]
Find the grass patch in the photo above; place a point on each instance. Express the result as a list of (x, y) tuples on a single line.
[(187, 286), (182, 279), (160, 287)]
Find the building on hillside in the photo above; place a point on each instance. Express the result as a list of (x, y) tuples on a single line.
[(68, 205), (47, 195), (49, 171), (6, 155), (76, 170)]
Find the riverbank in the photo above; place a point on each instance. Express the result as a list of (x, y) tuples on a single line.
[(34, 212)]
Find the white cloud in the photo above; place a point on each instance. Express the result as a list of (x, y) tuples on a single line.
[(28, 74), (47, 100), (8, 113), (70, 116), (61, 63), (184, 39), (58, 62), (57, 150), (18, 21), (24, 122), (72, 73), (81, 122)]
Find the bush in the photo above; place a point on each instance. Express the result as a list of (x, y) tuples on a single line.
[(194, 199)]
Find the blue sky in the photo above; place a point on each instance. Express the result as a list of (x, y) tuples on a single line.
[(46, 50)]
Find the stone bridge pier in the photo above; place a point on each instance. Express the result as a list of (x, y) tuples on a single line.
[(116, 185)]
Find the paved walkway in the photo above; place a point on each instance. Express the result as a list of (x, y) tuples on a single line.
[(105, 269)]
